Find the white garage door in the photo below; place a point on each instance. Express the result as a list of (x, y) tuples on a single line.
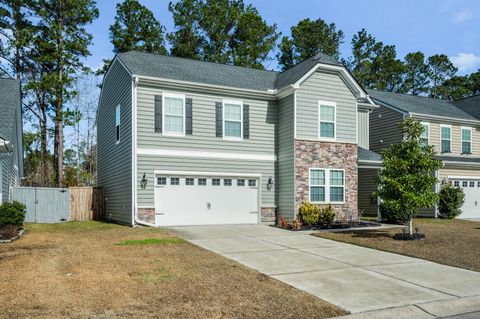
[(205, 200), (471, 188)]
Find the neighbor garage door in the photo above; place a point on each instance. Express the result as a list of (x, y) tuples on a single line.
[(206, 200), (471, 188)]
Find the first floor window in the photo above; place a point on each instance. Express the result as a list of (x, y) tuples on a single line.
[(327, 185), (174, 110), (232, 119), (327, 121), (445, 139), (466, 140), (425, 134)]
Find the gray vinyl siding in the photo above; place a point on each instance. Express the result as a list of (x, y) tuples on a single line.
[(114, 161), (286, 158), (326, 87), (384, 128), (263, 119), (367, 204), (362, 127), (10, 166)]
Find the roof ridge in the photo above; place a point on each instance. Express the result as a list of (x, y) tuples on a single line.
[(414, 96), (467, 97), (195, 60)]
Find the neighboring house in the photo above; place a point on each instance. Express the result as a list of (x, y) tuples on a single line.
[(452, 127), (185, 142), (11, 137)]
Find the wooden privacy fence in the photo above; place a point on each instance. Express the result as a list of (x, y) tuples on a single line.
[(56, 205)]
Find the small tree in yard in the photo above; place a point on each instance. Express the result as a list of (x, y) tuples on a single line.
[(407, 181), (451, 201)]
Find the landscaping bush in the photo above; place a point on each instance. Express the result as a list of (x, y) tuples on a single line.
[(392, 214), (8, 231), (309, 214), (450, 201), (12, 214), (327, 216)]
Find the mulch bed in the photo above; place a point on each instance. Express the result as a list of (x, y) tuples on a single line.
[(10, 235), (334, 226)]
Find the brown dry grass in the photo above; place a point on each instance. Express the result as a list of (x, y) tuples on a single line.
[(78, 270), (451, 242)]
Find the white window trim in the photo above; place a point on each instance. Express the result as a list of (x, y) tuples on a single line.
[(461, 139), (328, 103), (164, 129), (428, 132), (326, 185), (236, 102), (117, 141), (450, 139)]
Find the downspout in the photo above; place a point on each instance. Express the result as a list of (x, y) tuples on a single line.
[(135, 220)]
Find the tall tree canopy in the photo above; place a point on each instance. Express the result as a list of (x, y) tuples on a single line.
[(135, 28), (415, 77), (223, 31), (440, 68), (307, 39)]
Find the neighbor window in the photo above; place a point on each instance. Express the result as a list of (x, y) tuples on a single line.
[(216, 182), (425, 134), (202, 181), (252, 182), (161, 181), (189, 181), (327, 120), (174, 114), (117, 123), (232, 119), (174, 181), (445, 139), (240, 182), (327, 184), (466, 140)]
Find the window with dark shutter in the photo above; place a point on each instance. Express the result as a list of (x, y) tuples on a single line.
[(218, 119), (188, 116), (158, 113), (246, 121)]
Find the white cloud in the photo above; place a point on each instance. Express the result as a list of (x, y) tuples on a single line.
[(466, 61), (462, 16)]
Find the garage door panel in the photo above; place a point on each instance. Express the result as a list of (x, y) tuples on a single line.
[(206, 204), (471, 188)]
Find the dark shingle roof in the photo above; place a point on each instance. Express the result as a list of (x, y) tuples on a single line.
[(459, 159), (9, 102), (471, 105), (174, 68), (367, 155), (419, 104)]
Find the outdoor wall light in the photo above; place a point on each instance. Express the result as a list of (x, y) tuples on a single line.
[(269, 183), (144, 181)]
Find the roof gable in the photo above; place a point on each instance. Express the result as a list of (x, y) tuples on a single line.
[(471, 105)]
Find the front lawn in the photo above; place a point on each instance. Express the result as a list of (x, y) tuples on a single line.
[(447, 241), (93, 269)]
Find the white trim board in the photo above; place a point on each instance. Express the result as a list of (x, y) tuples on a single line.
[(203, 154), (195, 173)]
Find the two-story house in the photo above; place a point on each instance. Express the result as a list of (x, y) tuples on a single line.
[(452, 127), (11, 137), (185, 142)]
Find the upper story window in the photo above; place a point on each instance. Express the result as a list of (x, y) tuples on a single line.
[(232, 119), (327, 119), (117, 123), (424, 138), (466, 140), (445, 139), (174, 114), (327, 185)]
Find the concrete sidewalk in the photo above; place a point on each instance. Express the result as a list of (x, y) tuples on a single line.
[(366, 282)]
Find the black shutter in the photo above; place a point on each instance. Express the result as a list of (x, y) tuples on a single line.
[(188, 117), (219, 119), (158, 113), (246, 121)]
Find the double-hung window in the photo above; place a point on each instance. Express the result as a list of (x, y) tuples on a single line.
[(445, 138), (424, 138), (466, 140), (174, 114), (233, 119), (117, 124), (327, 117), (327, 185)]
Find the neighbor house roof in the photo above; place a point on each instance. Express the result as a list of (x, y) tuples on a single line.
[(420, 105), (9, 102), (367, 155), (181, 69), (471, 105)]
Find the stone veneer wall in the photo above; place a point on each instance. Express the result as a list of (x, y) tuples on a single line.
[(146, 215), (314, 154), (268, 215)]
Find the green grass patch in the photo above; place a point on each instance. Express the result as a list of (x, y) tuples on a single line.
[(151, 241)]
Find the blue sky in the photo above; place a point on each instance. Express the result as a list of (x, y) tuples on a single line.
[(451, 27)]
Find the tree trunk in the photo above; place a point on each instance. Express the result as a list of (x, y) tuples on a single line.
[(58, 144), (43, 147), (410, 226)]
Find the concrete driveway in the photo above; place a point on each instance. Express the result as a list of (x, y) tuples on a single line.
[(366, 282)]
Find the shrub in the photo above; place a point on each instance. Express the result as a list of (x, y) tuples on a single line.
[(451, 201), (12, 214), (296, 224), (283, 222), (309, 213), (327, 216), (392, 214), (8, 231)]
